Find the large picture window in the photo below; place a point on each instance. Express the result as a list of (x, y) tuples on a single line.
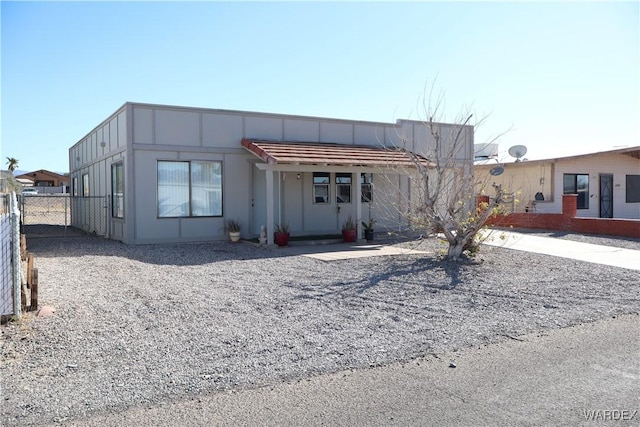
[(343, 188), (575, 183), (189, 189), (117, 190), (321, 181), (633, 189)]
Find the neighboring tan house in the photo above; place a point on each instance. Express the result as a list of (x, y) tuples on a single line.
[(175, 174), (44, 178), (607, 183)]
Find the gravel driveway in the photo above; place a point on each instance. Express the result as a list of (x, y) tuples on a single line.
[(141, 324)]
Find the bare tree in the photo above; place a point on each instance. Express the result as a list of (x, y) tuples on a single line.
[(442, 189)]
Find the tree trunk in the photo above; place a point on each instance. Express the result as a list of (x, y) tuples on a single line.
[(455, 250)]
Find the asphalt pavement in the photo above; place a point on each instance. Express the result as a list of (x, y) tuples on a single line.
[(584, 375)]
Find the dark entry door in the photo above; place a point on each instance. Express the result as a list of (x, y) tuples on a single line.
[(606, 196)]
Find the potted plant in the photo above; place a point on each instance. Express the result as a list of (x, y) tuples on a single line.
[(281, 234), (349, 230), (232, 226), (368, 229)]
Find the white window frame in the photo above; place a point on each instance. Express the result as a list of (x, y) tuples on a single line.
[(321, 180), (85, 185), (117, 194), (190, 208), (343, 181), (366, 187)]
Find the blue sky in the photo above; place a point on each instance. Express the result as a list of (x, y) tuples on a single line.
[(562, 76)]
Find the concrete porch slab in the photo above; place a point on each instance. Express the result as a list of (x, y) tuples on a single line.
[(334, 253)]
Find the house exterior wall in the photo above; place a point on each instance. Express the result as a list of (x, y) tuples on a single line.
[(619, 165), (92, 158), (523, 180), (546, 176), (140, 135)]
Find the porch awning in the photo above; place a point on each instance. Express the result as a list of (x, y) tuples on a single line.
[(310, 153)]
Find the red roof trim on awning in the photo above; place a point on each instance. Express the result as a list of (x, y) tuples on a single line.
[(313, 153)]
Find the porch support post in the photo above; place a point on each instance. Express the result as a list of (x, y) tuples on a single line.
[(358, 203), (270, 215)]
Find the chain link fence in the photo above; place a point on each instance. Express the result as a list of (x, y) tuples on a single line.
[(89, 214), (62, 215), (6, 282), (57, 215)]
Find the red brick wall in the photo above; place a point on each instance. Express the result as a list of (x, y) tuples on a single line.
[(567, 221)]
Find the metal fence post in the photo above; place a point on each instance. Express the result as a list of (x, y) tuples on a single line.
[(107, 213), (66, 206), (20, 202)]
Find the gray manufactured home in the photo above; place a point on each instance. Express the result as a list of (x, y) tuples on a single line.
[(175, 174)]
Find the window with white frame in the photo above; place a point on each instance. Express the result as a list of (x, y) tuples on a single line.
[(321, 181), (343, 188), (189, 189), (117, 190), (85, 185), (74, 184), (366, 187)]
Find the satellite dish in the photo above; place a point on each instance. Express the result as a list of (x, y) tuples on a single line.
[(517, 151), (498, 170)]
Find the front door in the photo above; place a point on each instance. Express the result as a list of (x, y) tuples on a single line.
[(258, 200), (344, 198), (606, 196)]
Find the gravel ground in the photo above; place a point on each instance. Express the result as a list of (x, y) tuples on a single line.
[(136, 325)]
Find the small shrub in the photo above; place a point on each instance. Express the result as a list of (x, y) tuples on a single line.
[(369, 224), (349, 224), (232, 225), (282, 228)]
